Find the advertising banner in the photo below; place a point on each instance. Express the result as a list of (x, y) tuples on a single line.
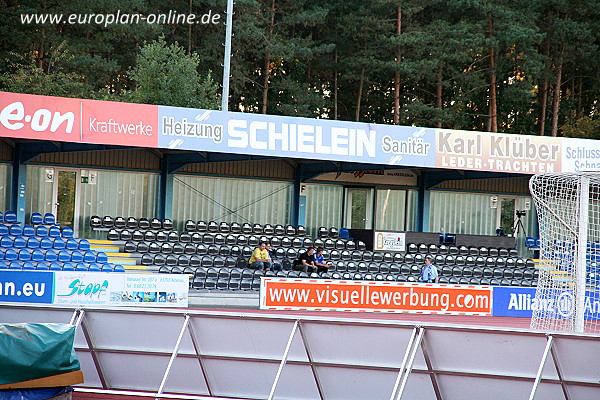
[(389, 241), (114, 289), (580, 155), (486, 151), (520, 302), (76, 120), (268, 135), (370, 296), (26, 286)]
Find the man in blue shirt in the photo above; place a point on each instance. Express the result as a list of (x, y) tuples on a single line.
[(429, 271), (319, 261)]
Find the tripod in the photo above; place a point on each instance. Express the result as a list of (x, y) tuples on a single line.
[(518, 225)]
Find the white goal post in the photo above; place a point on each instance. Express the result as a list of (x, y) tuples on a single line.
[(568, 290)]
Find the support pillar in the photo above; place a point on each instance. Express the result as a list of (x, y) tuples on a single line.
[(19, 184), (423, 205), (165, 190)]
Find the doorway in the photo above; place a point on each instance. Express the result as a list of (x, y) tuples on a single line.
[(506, 214), (65, 194), (359, 208)]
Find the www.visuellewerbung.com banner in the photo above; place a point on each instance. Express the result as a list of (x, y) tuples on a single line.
[(94, 288), (374, 296), (149, 126), (422, 298)]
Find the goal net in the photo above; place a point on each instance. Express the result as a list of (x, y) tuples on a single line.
[(568, 291)]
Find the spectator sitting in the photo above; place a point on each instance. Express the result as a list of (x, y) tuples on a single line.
[(319, 261), (305, 261), (260, 258), (275, 264)]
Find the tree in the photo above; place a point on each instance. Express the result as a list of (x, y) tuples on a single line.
[(164, 74)]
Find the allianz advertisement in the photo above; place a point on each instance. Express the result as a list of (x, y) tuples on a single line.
[(94, 289), (277, 136)]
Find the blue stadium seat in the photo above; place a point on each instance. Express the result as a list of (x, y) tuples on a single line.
[(105, 268), (94, 268), (11, 255), (15, 265), (20, 242), (28, 230), (28, 266), (67, 232), (81, 267), (68, 267), (36, 218), (33, 243), (15, 230), (77, 256), (101, 257), (1, 217), (84, 244), (59, 244), (3, 230), (3, 265), (64, 256), (49, 219), (10, 217), (51, 255), (42, 266), (54, 231), (1, 254), (46, 243), (529, 242), (72, 244), (6, 242), (118, 268), (89, 257), (37, 255), (41, 231), (24, 255), (55, 266)]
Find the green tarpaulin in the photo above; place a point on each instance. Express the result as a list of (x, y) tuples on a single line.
[(33, 351)]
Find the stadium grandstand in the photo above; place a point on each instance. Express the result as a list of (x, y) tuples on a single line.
[(147, 191)]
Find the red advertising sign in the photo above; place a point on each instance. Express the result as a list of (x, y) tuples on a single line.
[(334, 295), (79, 121)]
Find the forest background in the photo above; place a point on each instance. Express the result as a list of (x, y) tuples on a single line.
[(499, 66)]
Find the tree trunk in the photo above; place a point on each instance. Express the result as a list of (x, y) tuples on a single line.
[(267, 65), (492, 109), (360, 92), (543, 101), (397, 77), (580, 98), (438, 92), (556, 99), (335, 88)]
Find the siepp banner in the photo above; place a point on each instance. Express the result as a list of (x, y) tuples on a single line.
[(520, 302), (26, 286), (277, 136), (92, 288)]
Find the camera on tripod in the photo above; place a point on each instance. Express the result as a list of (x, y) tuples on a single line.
[(521, 213)]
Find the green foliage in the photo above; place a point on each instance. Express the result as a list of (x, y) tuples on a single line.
[(326, 59), (166, 75), (584, 127)]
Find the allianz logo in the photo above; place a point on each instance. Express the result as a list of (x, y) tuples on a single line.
[(14, 117)]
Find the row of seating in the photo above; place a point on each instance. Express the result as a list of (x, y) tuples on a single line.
[(53, 255), (37, 218), (60, 266), (232, 239), (246, 228), (244, 279), (39, 230), (461, 250), (34, 242)]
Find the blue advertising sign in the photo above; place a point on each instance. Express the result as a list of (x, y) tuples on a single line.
[(278, 136), (520, 302), (26, 286)]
